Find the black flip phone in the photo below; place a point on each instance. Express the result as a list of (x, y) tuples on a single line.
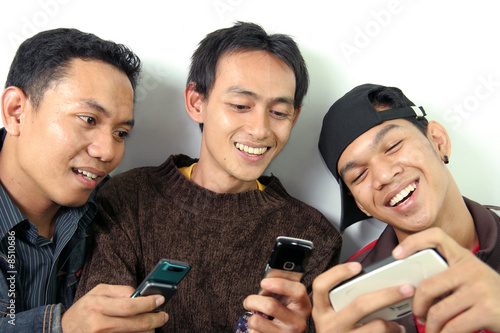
[(288, 258)]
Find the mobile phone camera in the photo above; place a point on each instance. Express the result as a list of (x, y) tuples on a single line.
[(288, 266)]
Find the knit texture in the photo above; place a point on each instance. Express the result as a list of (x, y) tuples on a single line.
[(151, 213)]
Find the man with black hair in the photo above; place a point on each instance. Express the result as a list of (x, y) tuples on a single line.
[(391, 164), (67, 109), (218, 213)]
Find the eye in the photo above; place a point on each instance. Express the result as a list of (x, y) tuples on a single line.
[(121, 135), (239, 107), (394, 147), (278, 114), (89, 120), (359, 177)]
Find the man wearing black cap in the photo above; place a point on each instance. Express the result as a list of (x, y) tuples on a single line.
[(390, 163)]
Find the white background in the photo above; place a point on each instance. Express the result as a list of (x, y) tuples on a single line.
[(443, 54)]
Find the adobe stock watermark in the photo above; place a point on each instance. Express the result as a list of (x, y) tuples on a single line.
[(222, 7), (459, 112), (148, 82), (36, 22), (363, 36), (11, 277)]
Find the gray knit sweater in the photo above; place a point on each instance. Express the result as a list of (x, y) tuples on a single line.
[(151, 213)]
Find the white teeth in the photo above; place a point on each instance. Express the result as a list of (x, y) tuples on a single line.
[(401, 195), (88, 175), (251, 150)]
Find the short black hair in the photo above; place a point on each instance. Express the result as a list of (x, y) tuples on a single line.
[(44, 58), (394, 98), (245, 36)]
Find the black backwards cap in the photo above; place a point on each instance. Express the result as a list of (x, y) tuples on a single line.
[(348, 118)]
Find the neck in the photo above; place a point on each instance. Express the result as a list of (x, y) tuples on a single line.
[(460, 226), (45, 225), (219, 184), (39, 211), (454, 219)]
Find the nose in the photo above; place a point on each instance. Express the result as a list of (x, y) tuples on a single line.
[(258, 125), (384, 171), (104, 147)]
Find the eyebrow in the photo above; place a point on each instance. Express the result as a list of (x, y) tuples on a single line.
[(382, 133), (375, 142), (93, 104), (239, 90)]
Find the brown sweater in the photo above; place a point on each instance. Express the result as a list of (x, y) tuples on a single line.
[(151, 213)]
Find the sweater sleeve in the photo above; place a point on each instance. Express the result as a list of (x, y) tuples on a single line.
[(327, 256), (113, 259)]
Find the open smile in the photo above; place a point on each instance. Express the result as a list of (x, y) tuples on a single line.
[(403, 195), (86, 174), (251, 150)]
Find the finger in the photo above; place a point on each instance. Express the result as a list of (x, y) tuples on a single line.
[(293, 292), (140, 323), (258, 323), (431, 238), (469, 321), (286, 318), (381, 326), (437, 286), (126, 306), (329, 279), (366, 304), (265, 304), (442, 311), (454, 305), (112, 290)]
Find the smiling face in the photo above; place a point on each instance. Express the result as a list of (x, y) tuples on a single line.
[(396, 174), (62, 150), (247, 119)]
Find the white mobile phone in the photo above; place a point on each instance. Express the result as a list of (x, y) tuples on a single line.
[(387, 273)]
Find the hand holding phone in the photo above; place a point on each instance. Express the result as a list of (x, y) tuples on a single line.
[(163, 279), (288, 259), (387, 273)]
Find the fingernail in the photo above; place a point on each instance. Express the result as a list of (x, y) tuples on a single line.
[(421, 321), (265, 283), (397, 251), (402, 329), (406, 290), (160, 300), (166, 317), (353, 267)]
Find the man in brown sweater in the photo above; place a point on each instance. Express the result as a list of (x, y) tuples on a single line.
[(218, 213)]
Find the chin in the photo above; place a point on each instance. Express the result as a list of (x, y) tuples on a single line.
[(74, 202)]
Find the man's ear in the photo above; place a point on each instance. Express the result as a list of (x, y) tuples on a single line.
[(194, 102), (437, 135), (362, 208), (14, 102)]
